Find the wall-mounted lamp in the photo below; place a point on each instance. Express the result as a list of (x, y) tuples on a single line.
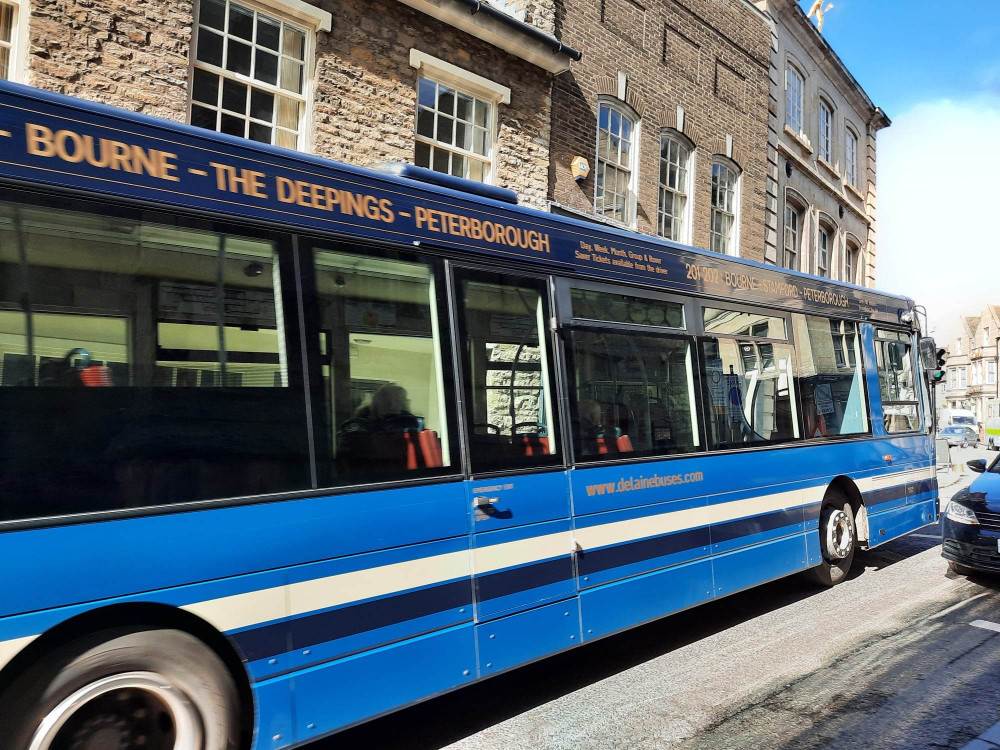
[(788, 168), (840, 211), (580, 168)]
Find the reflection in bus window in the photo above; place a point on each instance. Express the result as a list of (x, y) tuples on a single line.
[(631, 395), (749, 392), (507, 369), (895, 377), (589, 304), (830, 380), (736, 323), (383, 386), (149, 358)]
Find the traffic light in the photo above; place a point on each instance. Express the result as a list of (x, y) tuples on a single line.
[(937, 376)]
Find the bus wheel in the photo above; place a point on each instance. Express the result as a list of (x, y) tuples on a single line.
[(154, 689), (837, 540)]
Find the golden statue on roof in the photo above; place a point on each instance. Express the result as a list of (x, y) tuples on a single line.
[(819, 11)]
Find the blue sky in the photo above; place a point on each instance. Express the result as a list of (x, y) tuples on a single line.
[(906, 53), (934, 68)]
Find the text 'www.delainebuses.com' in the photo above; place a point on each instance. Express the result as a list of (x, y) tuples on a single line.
[(643, 483)]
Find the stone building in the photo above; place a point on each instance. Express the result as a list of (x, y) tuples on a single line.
[(972, 363), (821, 155), (458, 86), (669, 107)]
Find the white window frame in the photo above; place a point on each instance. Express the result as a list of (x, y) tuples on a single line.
[(851, 157), (795, 231), (991, 373), (296, 14), (18, 40), (684, 235), (962, 378), (852, 256), (732, 248), (825, 131), (795, 84), (824, 249), (468, 83), (633, 166)]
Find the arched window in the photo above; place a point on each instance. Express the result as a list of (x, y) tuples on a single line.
[(725, 218), (825, 238), (825, 130), (672, 209), (852, 256), (617, 147), (851, 156), (794, 87), (792, 232)]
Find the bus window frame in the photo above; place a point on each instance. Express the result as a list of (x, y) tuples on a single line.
[(307, 244), (863, 365), (587, 324), (564, 303), (556, 363), (911, 341)]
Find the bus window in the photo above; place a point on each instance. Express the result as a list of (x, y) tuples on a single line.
[(749, 384), (895, 377), (632, 394), (830, 380), (147, 362), (511, 421), (383, 381)]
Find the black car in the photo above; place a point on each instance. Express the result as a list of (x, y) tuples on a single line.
[(970, 525)]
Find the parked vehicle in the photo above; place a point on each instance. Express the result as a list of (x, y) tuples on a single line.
[(951, 417), (959, 436), (992, 427), (971, 522)]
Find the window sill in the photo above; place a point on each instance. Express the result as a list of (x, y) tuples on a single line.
[(854, 191), (801, 138), (828, 167)]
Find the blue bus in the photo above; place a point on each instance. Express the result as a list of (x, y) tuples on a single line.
[(287, 444)]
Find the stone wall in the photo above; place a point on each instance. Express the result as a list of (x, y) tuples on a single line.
[(706, 57)]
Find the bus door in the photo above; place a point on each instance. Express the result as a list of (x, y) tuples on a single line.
[(518, 494)]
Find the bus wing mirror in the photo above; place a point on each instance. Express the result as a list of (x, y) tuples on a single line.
[(928, 353)]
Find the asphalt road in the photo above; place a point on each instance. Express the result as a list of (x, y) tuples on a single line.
[(887, 659)]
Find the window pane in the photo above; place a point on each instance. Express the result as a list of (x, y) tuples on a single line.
[(260, 132), (238, 58), (896, 383), (830, 380), (287, 139), (422, 154), (749, 392), (241, 22), (427, 93), (261, 105), (129, 309), (384, 395), (506, 368), (633, 394), (205, 87), (203, 117), (291, 75), (210, 48), (267, 68), (234, 96), (737, 323), (232, 125), (288, 113), (268, 32), (590, 304), (425, 122), (213, 13), (295, 43)]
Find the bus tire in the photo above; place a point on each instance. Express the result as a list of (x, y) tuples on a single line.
[(837, 540), (155, 689)]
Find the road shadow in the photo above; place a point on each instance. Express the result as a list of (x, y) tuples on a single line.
[(897, 550)]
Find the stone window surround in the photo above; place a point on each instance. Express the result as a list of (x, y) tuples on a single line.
[(687, 220), (19, 39), (734, 234), (852, 244), (823, 103), (851, 132), (826, 225), (799, 207), (466, 82), (633, 187), (799, 132), (297, 12)]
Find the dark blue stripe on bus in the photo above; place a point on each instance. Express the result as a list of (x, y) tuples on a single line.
[(308, 630), (725, 532), (504, 583), (889, 494), (598, 560)]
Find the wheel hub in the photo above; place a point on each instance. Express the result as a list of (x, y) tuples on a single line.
[(838, 534), (123, 712)]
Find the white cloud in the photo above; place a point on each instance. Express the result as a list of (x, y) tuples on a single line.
[(938, 169)]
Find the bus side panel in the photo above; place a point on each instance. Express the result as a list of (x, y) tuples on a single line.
[(890, 524), (735, 571), (334, 695), (526, 636), (620, 605), (275, 716)]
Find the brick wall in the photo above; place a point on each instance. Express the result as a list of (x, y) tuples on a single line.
[(134, 54), (708, 57)]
